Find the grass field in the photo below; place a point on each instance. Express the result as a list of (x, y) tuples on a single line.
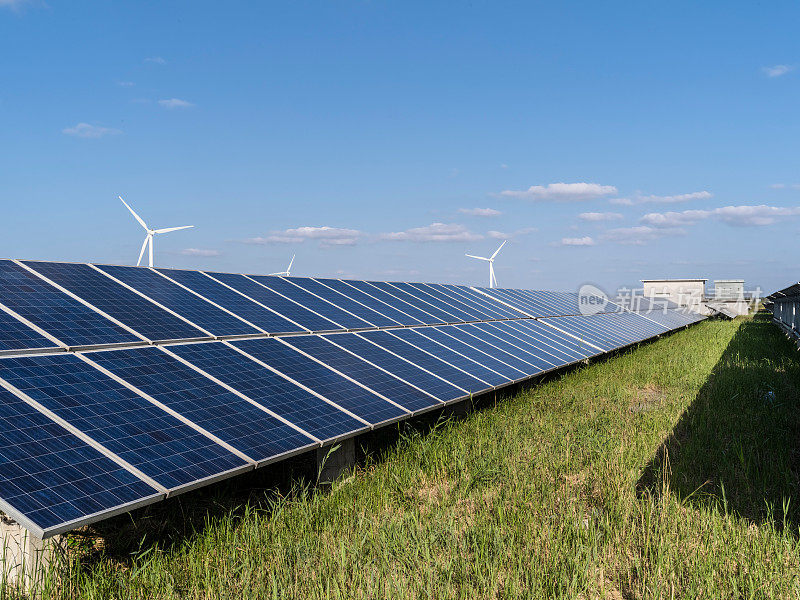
[(668, 471)]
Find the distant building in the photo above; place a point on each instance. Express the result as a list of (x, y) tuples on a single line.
[(688, 293), (729, 289)]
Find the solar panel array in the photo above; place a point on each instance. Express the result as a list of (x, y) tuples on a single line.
[(121, 386)]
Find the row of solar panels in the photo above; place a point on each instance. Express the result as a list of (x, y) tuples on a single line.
[(55, 306), (85, 435)]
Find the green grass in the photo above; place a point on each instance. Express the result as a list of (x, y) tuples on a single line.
[(668, 471)]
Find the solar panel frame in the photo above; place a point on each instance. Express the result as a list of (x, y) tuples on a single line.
[(501, 341), (397, 289), (485, 300), (547, 342), (448, 306), (559, 338), (555, 357), (445, 295), (369, 301), (420, 315)]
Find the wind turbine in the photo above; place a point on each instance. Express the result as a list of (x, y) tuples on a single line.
[(490, 260), (287, 272), (151, 233)]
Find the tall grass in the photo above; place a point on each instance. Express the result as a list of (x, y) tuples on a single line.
[(669, 471)]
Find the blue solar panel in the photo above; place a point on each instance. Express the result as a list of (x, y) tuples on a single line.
[(283, 306), (370, 301), (233, 301), (427, 361), (52, 478), (446, 298), (557, 338), (398, 290), (483, 300), (451, 310), (560, 353), (272, 391), (15, 335), (124, 305), (507, 371), (150, 439), (178, 300), (54, 311), (343, 301), (231, 418), (412, 311), (512, 359), (435, 386), (577, 327), (322, 380), (514, 346), (378, 381), (544, 359), (312, 302), (413, 336)]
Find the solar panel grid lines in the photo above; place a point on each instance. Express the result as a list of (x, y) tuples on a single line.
[(299, 328), (292, 343), (359, 400), (157, 444), (484, 300), (287, 308), (55, 341), (479, 342), (441, 293), (82, 436), (555, 326), (83, 302), (506, 370), (240, 394), (587, 331), (509, 303), (411, 310), (382, 383), (255, 328), (348, 303), (360, 321), (367, 425), (99, 291), (449, 353), (277, 286), (457, 313), (396, 291), (500, 340), (101, 270), (303, 407), (370, 301), (555, 338), (186, 421), (536, 347), (458, 377), (548, 344)]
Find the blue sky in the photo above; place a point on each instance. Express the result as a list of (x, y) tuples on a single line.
[(607, 141)]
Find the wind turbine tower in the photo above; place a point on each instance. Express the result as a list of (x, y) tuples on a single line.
[(490, 260), (150, 234)]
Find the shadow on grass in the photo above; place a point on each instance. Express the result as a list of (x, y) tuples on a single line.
[(737, 447)]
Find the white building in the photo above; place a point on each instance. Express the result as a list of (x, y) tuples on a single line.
[(688, 293)]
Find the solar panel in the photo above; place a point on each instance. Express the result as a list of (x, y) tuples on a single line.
[(370, 301), (455, 310), (52, 481), (512, 346), (398, 290), (63, 317), (558, 338), (122, 304), (427, 361), (233, 301), (578, 326), (444, 296), (16, 336), (281, 305), (451, 356), (399, 366), (483, 300), (233, 420), (330, 311), (536, 348), (420, 315), (404, 394), (367, 314), (150, 439), (540, 341), (345, 393), (462, 335), (191, 307)]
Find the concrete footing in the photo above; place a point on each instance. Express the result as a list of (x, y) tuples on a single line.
[(334, 460), (25, 557)]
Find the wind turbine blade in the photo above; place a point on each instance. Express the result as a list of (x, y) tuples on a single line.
[(168, 229), (141, 254), (500, 248), (478, 257), (291, 262), (133, 212)]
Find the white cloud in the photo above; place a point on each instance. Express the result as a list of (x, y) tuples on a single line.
[(581, 241), (156, 60), (639, 235), (599, 216), (653, 199), (504, 166), (84, 130), (562, 192), (737, 216), (435, 232), (175, 103), (14, 5), (509, 235), (480, 212), (125, 84), (783, 186), (777, 70), (199, 252), (326, 236)]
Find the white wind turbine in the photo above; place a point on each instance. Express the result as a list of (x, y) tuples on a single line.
[(288, 270), (490, 260), (151, 233)]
